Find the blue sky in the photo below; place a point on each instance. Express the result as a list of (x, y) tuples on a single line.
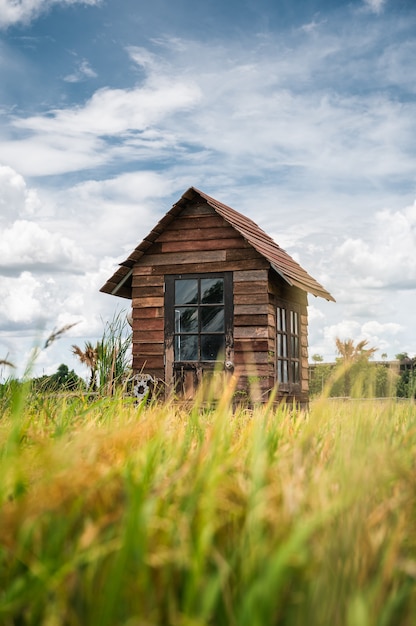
[(302, 115)]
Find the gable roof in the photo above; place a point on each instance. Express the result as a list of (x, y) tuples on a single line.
[(281, 262)]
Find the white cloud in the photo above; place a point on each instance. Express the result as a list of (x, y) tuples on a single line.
[(47, 279), (373, 278), (114, 124), (45, 154), (376, 332), (396, 64), (82, 72), (21, 300), (23, 11), (51, 269), (32, 306), (131, 187), (384, 257), (144, 58), (26, 245), (16, 200), (114, 111), (247, 108), (310, 27), (375, 6), (111, 216), (378, 335)]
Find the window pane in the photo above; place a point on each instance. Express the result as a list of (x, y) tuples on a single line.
[(186, 348), (281, 322), (295, 371), (282, 346), (294, 322), (294, 341), (283, 372), (212, 290), (186, 320), (211, 347), (212, 319), (186, 291)]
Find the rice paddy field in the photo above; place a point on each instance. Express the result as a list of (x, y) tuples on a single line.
[(161, 514)]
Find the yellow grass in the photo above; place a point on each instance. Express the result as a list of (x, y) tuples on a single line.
[(161, 514)]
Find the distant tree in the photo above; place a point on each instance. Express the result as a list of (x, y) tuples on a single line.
[(63, 380), (385, 378), (406, 384), (353, 358), (317, 358), (353, 353), (320, 374)]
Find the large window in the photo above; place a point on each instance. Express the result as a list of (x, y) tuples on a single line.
[(287, 346), (199, 307)]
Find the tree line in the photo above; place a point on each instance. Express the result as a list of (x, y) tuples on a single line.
[(354, 374)]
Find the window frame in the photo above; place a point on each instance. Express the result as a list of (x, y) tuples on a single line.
[(288, 352), (170, 306)]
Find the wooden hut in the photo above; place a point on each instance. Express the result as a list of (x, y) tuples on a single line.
[(211, 290)]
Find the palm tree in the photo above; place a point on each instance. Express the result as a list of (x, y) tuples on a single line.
[(351, 354), (89, 357)]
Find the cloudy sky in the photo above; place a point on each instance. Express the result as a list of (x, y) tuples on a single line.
[(302, 115)]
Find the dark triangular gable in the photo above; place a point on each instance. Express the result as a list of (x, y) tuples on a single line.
[(281, 262)]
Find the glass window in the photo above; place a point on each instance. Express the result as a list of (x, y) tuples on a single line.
[(287, 346), (186, 291), (186, 348), (199, 318), (186, 320), (212, 290), (212, 346), (212, 319)]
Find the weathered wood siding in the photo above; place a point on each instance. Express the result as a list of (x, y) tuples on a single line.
[(251, 333), (200, 241)]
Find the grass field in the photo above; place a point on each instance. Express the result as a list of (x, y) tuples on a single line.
[(113, 514)]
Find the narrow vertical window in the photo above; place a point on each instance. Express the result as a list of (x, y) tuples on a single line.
[(287, 346)]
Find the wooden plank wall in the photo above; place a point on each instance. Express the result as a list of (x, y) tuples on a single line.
[(200, 241), (253, 366)]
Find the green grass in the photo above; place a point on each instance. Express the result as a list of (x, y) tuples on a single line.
[(113, 514)]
